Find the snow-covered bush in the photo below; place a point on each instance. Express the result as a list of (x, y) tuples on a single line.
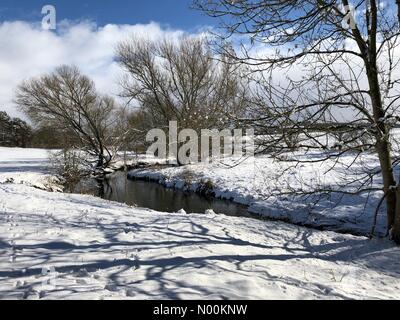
[(70, 165)]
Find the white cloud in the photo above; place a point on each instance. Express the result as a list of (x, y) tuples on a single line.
[(27, 51)]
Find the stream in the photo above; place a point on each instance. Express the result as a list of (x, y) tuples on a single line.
[(117, 187)]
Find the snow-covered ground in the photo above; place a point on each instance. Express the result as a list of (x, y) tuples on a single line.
[(104, 250), (27, 166), (267, 185), (63, 246)]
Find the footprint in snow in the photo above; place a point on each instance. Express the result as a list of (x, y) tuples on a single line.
[(111, 287), (82, 273), (128, 230), (81, 281), (31, 294), (130, 293)]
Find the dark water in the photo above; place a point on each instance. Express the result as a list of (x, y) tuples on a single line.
[(154, 196)]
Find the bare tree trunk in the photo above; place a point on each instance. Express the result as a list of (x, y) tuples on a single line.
[(382, 137), (396, 226), (100, 160), (389, 182), (385, 159)]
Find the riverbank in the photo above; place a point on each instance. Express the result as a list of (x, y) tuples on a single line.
[(271, 189), (255, 183), (33, 168)]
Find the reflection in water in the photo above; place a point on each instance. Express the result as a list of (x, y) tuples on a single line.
[(154, 196)]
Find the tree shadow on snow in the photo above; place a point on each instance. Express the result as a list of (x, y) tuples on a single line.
[(142, 273)]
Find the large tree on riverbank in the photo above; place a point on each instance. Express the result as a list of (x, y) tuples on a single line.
[(340, 61), (67, 100), (180, 81)]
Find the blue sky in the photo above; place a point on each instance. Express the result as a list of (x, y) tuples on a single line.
[(174, 13)]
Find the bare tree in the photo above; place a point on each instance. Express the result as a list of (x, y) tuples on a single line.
[(68, 100), (340, 60), (180, 81)]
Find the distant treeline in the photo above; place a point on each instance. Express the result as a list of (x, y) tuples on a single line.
[(14, 132)]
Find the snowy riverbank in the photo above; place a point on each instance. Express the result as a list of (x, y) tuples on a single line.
[(32, 167), (261, 183)]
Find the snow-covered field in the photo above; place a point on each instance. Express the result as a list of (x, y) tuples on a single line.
[(27, 166), (95, 249)]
